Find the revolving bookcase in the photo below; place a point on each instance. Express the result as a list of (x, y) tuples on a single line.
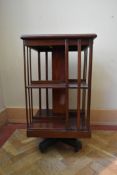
[(48, 87)]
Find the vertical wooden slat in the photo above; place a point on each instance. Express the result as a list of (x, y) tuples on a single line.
[(30, 105), (66, 81), (84, 78), (79, 83), (30, 64), (39, 78), (25, 82), (46, 68), (28, 76), (89, 82), (31, 92)]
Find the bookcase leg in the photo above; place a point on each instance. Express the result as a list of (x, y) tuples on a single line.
[(75, 143), (46, 143)]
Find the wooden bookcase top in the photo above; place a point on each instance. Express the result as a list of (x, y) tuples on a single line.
[(59, 36)]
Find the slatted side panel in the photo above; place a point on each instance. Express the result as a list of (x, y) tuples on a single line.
[(44, 93), (27, 79)]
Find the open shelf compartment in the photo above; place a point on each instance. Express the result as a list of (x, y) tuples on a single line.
[(46, 121)]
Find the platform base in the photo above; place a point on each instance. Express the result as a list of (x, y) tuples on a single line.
[(45, 144)]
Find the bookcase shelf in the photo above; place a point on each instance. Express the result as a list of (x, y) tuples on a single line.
[(53, 54), (57, 84)]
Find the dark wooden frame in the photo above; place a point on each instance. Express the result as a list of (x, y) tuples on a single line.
[(60, 121)]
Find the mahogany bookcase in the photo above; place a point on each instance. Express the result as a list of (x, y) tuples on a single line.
[(58, 122)]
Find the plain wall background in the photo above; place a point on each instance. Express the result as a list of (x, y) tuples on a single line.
[(55, 17), (2, 107)]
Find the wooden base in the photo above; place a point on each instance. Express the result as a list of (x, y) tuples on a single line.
[(45, 144)]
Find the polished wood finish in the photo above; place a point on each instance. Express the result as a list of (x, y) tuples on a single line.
[(59, 36), (79, 84), (39, 78), (59, 121), (58, 64)]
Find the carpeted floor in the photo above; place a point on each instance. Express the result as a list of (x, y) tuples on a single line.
[(20, 156)]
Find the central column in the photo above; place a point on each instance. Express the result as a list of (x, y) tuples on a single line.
[(58, 73)]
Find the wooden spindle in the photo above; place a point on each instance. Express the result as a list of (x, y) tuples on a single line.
[(28, 77), (25, 82), (31, 92), (79, 83), (84, 79), (66, 81), (84, 90), (46, 64), (89, 82), (39, 78)]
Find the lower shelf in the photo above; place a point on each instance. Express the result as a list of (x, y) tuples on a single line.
[(31, 132), (48, 124)]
